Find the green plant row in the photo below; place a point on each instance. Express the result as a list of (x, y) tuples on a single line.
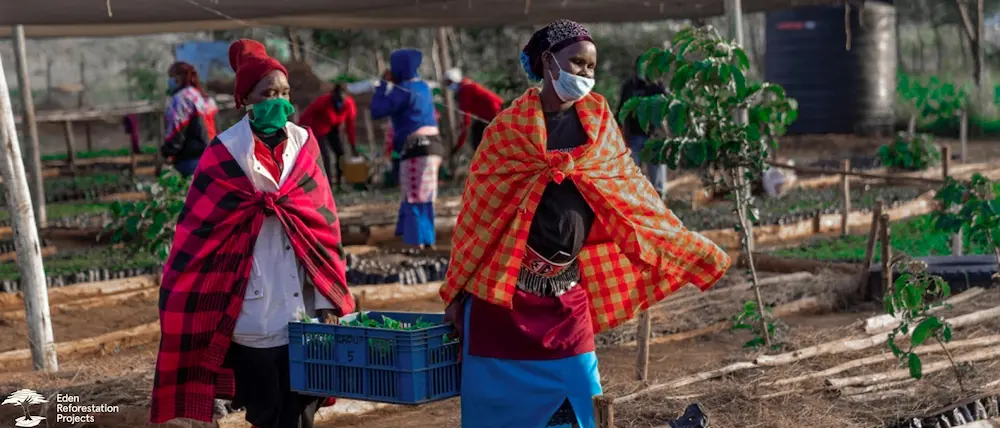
[(916, 236), (796, 205), (146, 150), (73, 263), (85, 187), (67, 209)]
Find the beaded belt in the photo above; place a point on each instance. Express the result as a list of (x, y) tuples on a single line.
[(543, 277)]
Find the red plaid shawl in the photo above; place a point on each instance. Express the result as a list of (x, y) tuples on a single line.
[(206, 275), (646, 253)]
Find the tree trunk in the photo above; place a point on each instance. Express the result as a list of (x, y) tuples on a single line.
[(974, 33), (940, 50)]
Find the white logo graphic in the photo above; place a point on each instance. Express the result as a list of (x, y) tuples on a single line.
[(26, 398)]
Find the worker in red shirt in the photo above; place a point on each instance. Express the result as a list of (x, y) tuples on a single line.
[(331, 115), (478, 106)]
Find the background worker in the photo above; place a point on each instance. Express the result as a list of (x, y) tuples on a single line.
[(329, 116), (478, 106)]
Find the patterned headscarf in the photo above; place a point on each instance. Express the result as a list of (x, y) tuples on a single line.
[(552, 38)]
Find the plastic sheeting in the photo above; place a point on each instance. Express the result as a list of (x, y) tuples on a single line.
[(61, 18)]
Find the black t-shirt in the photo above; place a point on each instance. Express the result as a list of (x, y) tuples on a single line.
[(563, 219)]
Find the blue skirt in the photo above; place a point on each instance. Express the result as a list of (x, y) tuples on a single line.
[(498, 393), (416, 223)]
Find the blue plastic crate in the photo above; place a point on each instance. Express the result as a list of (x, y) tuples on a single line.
[(374, 364)]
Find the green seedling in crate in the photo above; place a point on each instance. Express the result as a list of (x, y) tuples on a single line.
[(364, 321)]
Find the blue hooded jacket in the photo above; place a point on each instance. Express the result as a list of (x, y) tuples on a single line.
[(409, 106)]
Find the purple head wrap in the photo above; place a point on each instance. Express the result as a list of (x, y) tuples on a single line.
[(551, 38)]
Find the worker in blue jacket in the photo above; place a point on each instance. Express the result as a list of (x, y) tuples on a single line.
[(407, 101)]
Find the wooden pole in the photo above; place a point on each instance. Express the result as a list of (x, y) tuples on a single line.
[(845, 194), (26, 242), (48, 79), (30, 129), (945, 162), (956, 238), (884, 237), (83, 83), (161, 132), (604, 411), (450, 114), (366, 118), (642, 343), (873, 235), (70, 144), (963, 135)]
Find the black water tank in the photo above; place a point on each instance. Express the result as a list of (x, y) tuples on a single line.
[(839, 90)]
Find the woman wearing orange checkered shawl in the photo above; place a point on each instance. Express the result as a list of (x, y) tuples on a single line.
[(560, 237)]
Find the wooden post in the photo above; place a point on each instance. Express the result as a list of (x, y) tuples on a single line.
[(70, 145), (25, 231), (158, 161), (294, 49), (604, 411), (373, 147), (48, 79), (945, 162), (30, 129), (845, 194), (89, 136), (83, 83), (884, 240), (956, 238), (873, 234), (451, 110), (963, 135), (642, 340)]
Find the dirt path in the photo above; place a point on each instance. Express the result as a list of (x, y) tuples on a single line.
[(72, 325)]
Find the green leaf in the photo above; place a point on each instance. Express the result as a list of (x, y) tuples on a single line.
[(912, 298), (628, 109), (916, 368), (132, 224), (946, 333), (741, 59), (741, 83), (892, 346), (642, 68), (696, 153), (677, 118), (924, 330), (680, 78), (645, 113), (755, 343)]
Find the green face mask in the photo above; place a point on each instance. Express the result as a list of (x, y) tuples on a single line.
[(271, 115)]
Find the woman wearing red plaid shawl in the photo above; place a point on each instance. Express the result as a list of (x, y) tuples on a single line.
[(257, 245), (560, 237)]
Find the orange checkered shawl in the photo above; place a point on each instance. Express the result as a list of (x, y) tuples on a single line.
[(647, 253)]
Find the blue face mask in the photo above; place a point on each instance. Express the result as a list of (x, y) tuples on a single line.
[(171, 85), (453, 87), (570, 87)]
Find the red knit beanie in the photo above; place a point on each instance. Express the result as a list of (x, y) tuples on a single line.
[(250, 62)]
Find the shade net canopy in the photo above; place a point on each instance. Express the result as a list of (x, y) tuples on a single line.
[(96, 18)]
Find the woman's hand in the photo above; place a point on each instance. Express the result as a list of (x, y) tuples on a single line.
[(454, 314), (326, 316)]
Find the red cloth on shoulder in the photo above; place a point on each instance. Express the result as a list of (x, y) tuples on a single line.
[(205, 277)]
